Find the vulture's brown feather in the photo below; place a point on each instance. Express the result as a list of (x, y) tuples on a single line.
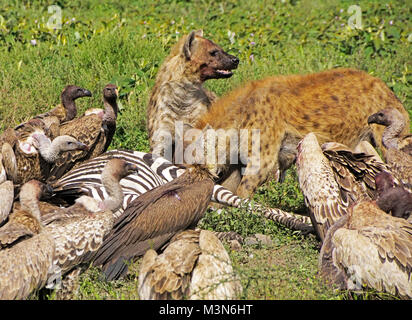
[(369, 247), (61, 246), (24, 221), (86, 129), (94, 130), (32, 153), (153, 218), (401, 165), (334, 178), (356, 172), (195, 265), (19, 226), (21, 159), (25, 267)]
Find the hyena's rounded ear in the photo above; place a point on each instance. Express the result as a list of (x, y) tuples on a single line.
[(187, 47), (199, 33)]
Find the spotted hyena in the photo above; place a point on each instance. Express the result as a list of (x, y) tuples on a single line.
[(178, 94), (334, 104)]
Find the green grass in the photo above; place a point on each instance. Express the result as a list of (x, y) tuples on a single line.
[(126, 41)]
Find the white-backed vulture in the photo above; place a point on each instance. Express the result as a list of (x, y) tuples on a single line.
[(194, 265), (25, 221), (80, 229), (94, 130), (25, 267), (60, 247), (399, 147), (369, 248), (154, 218), (113, 172), (332, 179), (31, 154)]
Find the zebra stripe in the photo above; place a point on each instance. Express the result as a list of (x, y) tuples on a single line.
[(154, 172)]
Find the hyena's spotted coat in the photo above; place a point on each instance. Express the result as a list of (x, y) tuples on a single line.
[(334, 104)]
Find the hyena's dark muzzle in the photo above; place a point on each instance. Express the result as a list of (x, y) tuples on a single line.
[(219, 65), (227, 63)]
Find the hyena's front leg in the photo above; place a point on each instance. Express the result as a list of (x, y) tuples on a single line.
[(256, 173), (262, 159), (250, 182)]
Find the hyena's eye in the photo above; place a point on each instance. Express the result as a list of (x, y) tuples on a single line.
[(213, 52)]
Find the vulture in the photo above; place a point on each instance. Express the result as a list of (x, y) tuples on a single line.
[(66, 111), (80, 229), (113, 172), (369, 248), (332, 179), (31, 153), (25, 263), (58, 250), (96, 130), (392, 199), (399, 148), (6, 193), (194, 265), (153, 219), (25, 221), (25, 266)]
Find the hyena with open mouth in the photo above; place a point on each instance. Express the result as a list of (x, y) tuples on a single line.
[(178, 94)]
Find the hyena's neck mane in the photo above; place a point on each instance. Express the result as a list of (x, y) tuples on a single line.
[(176, 61), (179, 88)]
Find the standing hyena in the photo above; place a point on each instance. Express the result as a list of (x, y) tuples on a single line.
[(334, 104), (178, 94)]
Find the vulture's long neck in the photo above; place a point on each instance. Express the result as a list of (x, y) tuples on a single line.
[(29, 203), (70, 107), (110, 111), (114, 190), (109, 119), (391, 134)]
